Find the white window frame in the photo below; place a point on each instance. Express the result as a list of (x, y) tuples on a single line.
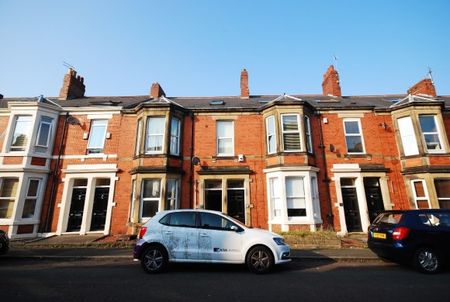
[(425, 189), (219, 139), (438, 133), (407, 136), (298, 132), (308, 134), (140, 125), (290, 197), (313, 216), (158, 199), (28, 132), (359, 134), (172, 198), (275, 198), (175, 137), (97, 146), (269, 135), (10, 198), (31, 197), (50, 129), (148, 135)]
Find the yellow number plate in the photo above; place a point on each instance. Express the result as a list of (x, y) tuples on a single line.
[(379, 235)]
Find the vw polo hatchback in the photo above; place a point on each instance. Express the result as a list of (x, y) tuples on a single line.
[(420, 237), (207, 237)]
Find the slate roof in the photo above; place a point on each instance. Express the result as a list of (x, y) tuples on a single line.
[(230, 103)]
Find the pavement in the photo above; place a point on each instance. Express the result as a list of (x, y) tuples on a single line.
[(70, 250)]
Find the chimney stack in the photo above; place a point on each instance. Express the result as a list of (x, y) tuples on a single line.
[(425, 86), (245, 93), (73, 86), (330, 84), (156, 91)]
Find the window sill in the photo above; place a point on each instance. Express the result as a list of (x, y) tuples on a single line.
[(357, 155)]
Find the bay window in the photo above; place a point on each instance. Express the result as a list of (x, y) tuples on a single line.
[(21, 134), (151, 197), (443, 192), (290, 128), (175, 136), (420, 194), (271, 135), (8, 193), (31, 198), (44, 132), (430, 133), (155, 135), (295, 196)]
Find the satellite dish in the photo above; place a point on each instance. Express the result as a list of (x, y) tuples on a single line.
[(195, 160)]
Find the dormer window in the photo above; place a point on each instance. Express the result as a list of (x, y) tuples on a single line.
[(21, 134)]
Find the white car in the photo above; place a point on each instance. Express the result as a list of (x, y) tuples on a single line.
[(208, 237)]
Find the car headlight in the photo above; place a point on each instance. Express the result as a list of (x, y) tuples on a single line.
[(279, 241)]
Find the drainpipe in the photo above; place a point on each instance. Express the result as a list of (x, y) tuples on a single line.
[(191, 176), (325, 172), (49, 216)]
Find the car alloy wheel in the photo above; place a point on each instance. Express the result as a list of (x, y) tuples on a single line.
[(260, 260), (427, 261), (154, 259)]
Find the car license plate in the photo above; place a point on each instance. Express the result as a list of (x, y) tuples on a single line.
[(379, 235)]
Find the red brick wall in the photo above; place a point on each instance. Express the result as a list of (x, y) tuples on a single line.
[(380, 146)]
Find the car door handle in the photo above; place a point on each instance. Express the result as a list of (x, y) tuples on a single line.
[(168, 232), (204, 235)]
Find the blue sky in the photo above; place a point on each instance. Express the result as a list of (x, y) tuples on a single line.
[(198, 47)]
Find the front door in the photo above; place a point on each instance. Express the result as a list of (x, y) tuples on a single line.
[(99, 209), (351, 207), (77, 205), (373, 196)]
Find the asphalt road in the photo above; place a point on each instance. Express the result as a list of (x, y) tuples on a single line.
[(123, 280)]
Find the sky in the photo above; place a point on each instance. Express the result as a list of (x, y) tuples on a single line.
[(199, 47)]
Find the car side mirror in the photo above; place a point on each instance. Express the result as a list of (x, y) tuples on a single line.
[(234, 228)]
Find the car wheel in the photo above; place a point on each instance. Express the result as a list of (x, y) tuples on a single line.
[(427, 261), (154, 259), (260, 260)]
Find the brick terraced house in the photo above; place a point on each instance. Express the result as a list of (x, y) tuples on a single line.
[(80, 165)]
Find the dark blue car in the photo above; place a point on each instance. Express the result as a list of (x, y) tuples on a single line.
[(420, 237)]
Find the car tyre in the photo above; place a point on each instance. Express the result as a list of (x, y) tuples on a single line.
[(427, 261), (154, 259), (260, 260)]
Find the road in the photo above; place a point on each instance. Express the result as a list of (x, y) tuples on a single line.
[(123, 280)]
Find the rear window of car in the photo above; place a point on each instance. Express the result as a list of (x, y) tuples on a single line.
[(435, 219), (389, 218)]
